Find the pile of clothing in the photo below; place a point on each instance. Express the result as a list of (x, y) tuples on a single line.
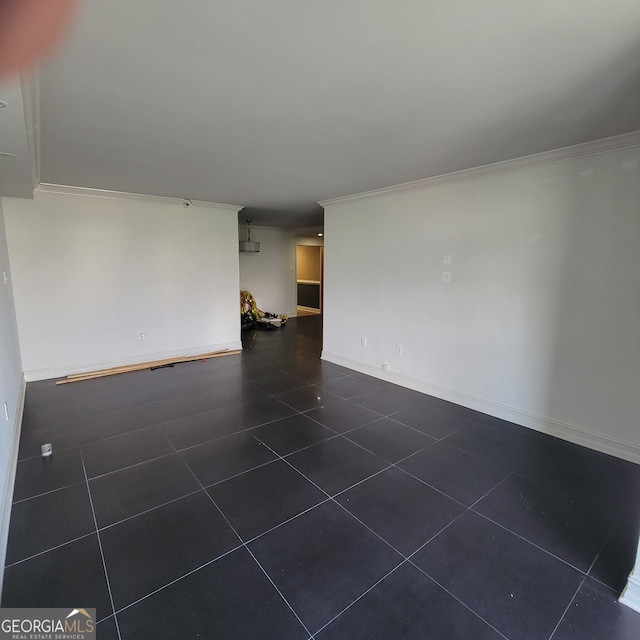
[(253, 318)]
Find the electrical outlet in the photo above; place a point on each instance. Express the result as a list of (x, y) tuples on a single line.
[(363, 342), (447, 259), (140, 335), (386, 367), (398, 349), (446, 276)]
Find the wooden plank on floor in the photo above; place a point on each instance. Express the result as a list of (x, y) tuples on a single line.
[(92, 375)]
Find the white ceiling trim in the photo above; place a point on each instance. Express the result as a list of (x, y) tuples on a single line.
[(596, 147), (45, 187)]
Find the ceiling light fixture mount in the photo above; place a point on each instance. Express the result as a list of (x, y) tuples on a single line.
[(246, 246)]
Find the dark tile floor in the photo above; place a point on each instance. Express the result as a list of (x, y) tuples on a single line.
[(271, 495)]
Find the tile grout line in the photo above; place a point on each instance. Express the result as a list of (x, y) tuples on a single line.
[(404, 557), (47, 493), (604, 544), (466, 606), (533, 544), (332, 499), (58, 546), (362, 595), (145, 511), (178, 579), (104, 563), (244, 544), (564, 613)]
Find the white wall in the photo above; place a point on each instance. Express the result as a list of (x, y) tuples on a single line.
[(90, 273), (11, 392), (270, 275), (631, 594), (539, 324)]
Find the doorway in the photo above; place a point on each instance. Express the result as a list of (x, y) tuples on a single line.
[(309, 279)]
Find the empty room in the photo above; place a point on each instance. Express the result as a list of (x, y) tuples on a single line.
[(320, 321)]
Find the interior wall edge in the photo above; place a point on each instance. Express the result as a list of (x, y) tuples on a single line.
[(10, 476), (631, 594), (542, 424)]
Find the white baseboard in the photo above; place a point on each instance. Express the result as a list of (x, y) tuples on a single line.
[(66, 370), (631, 594), (9, 479), (572, 433)]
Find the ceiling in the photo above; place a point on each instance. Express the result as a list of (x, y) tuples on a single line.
[(277, 105)]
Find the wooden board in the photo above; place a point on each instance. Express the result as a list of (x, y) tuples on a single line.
[(91, 375)]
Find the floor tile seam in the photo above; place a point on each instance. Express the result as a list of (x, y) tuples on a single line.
[(573, 498), (37, 456), (435, 535), (354, 401), (149, 510), (281, 391), (104, 563), (332, 498), (129, 466), (275, 586), (564, 613), (356, 484), (41, 553), (295, 517), (191, 446), (465, 510), (244, 544), (367, 450), (604, 544), (351, 486), (178, 579), (533, 544), (284, 459), (471, 453), (210, 498), (117, 435), (604, 584), (226, 435), (366, 526), (306, 411), (362, 595), (408, 426), (500, 467), (46, 493), (237, 475), (424, 482), (526, 476), (309, 446), (302, 411), (430, 444), (493, 488), (455, 597)]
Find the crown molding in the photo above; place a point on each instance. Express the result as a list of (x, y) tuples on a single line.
[(45, 187), (596, 147)]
